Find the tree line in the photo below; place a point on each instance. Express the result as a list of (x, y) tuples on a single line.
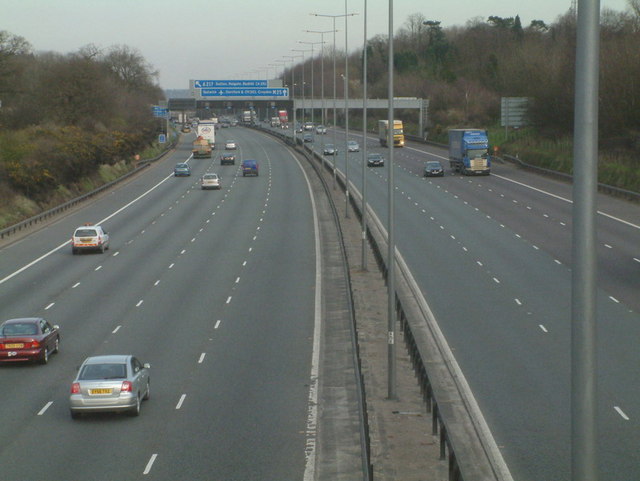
[(465, 70), (62, 117)]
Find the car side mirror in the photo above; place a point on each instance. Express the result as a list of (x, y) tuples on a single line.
[(56, 326)]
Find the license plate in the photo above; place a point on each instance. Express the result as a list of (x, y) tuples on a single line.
[(100, 391), (86, 239), (15, 345)]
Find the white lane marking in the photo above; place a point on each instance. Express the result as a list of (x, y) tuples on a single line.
[(183, 251), (237, 280), (55, 249), (171, 266), (46, 406), (608, 246), (557, 261), (156, 282), (250, 249), (496, 280), (479, 263), (49, 306), (116, 330), (149, 464), (116, 253), (139, 303), (75, 285), (98, 268), (621, 413), (518, 302), (536, 247), (142, 232), (202, 357), (179, 405), (565, 200), (636, 259), (245, 263), (544, 329), (217, 324), (614, 299), (228, 300)]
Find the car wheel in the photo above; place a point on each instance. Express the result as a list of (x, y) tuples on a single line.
[(75, 415), (45, 356), (135, 411), (56, 346), (147, 393)]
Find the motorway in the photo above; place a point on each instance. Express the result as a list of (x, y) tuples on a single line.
[(216, 289), (492, 255)]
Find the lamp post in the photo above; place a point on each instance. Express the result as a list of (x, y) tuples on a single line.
[(333, 17), (364, 144), (391, 326), (303, 83), (312, 76), (293, 105)]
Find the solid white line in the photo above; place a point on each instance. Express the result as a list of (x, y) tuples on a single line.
[(149, 464), (179, 405), (564, 200), (116, 330), (201, 357), (49, 306), (621, 413), (46, 406)]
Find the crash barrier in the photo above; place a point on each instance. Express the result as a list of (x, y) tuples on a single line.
[(11, 230), (465, 439)]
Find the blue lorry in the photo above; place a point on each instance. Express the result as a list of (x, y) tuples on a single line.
[(469, 151)]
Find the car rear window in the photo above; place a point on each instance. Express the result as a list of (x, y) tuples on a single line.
[(86, 233), (210, 176), (20, 330), (103, 371)]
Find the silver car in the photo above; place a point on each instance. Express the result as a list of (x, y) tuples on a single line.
[(110, 383)]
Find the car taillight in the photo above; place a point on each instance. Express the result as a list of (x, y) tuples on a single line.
[(75, 388), (33, 344), (126, 386)]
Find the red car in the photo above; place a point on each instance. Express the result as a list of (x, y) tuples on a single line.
[(28, 339)]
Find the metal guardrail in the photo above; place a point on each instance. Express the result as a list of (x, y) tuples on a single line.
[(456, 418), (11, 230)]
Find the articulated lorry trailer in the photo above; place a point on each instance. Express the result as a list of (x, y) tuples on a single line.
[(469, 151)]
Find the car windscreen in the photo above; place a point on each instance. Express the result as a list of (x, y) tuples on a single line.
[(103, 371), (434, 165)]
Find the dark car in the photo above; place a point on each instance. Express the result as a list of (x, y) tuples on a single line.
[(227, 158), (182, 170), (307, 138), (433, 168), (375, 160), (28, 339), (250, 167), (329, 149)]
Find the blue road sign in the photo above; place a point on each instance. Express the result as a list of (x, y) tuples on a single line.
[(202, 84), (245, 92), (160, 111), (162, 138)]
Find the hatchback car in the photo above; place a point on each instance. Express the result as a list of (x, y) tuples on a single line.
[(230, 145), (227, 158), (28, 339), (111, 383), (375, 160), (89, 237), (353, 146), (210, 181), (182, 170), (329, 149), (307, 138), (433, 168)]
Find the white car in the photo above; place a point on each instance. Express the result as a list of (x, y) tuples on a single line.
[(321, 130), (353, 146), (230, 145), (89, 237), (210, 181)]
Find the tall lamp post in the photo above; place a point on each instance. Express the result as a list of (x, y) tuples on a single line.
[(364, 143), (303, 83), (333, 17), (312, 75), (293, 96)]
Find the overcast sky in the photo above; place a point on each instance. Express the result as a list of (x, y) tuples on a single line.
[(228, 39)]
